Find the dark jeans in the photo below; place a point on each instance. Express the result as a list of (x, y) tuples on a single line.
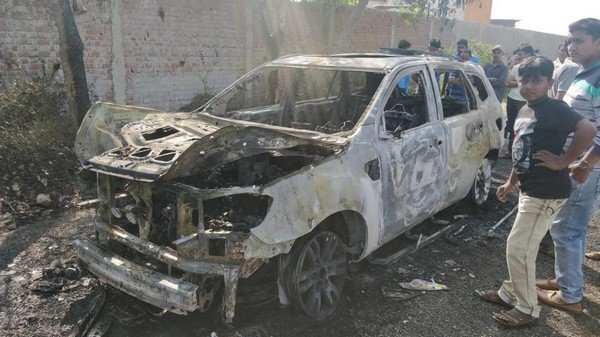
[(512, 110)]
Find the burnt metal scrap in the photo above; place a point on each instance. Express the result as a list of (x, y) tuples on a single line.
[(294, 165)]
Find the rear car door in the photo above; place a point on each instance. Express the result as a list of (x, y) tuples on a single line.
[(465, 123)]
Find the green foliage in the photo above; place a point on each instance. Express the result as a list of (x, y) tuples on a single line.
[(481, 50), (441, 9)]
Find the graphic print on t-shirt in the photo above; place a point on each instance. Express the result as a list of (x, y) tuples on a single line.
[(521, 151)]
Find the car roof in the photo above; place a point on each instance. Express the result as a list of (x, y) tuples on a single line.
[(376, 62)]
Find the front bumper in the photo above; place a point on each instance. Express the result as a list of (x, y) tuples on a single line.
[(147, 285), (163, 291)]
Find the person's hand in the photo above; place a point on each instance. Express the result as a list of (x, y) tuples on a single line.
[(580, 171), (549, 160), (504, 190)]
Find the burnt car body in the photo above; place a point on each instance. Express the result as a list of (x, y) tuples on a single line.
[(310, 162)]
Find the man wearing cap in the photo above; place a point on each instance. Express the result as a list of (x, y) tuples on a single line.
[(496, 71)]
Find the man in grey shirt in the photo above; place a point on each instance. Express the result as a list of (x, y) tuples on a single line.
[(496, 71), (563, 76)]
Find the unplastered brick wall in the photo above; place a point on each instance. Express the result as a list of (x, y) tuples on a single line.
[(161, 53), (175, 49), (94, 28), (27, 36)]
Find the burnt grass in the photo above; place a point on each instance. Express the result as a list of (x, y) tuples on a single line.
[(468, 261)]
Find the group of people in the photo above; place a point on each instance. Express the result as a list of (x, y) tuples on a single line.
[(553, 119)]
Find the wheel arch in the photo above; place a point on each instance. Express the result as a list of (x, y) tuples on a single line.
[(351, 227), (492, 154)]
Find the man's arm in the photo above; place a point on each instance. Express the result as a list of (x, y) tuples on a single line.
[(582, 169), (511, 81), (582, 138), (508, 186)]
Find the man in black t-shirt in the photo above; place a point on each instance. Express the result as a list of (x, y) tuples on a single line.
[(541, 128)]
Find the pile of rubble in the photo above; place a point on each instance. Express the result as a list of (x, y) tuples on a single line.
[(37, 164), (27, 197)]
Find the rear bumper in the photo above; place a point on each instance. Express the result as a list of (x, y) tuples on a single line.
[(147, 285)]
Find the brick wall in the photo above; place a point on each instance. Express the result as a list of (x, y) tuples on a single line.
[(27, 32), (161, 53)]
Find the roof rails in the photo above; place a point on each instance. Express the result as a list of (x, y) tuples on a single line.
[(412, 52)]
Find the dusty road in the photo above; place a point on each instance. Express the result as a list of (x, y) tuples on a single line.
[(470, 261)]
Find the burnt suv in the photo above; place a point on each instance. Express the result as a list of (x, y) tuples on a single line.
[(307, 162)]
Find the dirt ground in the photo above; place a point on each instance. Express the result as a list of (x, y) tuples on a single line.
[(469, 261)]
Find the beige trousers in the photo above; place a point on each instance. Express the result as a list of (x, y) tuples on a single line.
[(533, 220)]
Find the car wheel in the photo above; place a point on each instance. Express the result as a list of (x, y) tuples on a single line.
[(483, 181), (316, 274)]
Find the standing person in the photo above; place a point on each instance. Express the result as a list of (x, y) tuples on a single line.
[(570, 228), (466, 55), (496, 71), (561, 55), (541, 126), (435, 46), (514, 100), (564, 74), (404, 44), (463, 45)]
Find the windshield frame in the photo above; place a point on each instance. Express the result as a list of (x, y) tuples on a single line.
[(231, 89)]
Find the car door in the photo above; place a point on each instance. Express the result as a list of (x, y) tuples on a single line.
[(465, 123), (412, 145)]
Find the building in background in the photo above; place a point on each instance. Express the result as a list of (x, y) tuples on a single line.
[(510, 23), (476, 11)]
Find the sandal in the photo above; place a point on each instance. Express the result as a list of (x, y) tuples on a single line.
[(593, 255), (514, 318), (492, 296)]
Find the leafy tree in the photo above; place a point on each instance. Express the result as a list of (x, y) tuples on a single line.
[(482, 50), (441, 9)]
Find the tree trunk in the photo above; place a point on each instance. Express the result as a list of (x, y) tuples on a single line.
[(267, 17), (71, 56)]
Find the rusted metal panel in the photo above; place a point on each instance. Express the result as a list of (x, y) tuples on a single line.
[(157, 289), (164, 254)]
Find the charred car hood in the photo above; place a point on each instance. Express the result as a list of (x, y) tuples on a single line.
[(150, 145)]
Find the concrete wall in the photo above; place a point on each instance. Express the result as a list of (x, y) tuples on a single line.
[(510, 38), (161, 53)]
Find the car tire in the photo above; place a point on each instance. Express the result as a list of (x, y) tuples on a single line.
[(480, 190), (316, 273)]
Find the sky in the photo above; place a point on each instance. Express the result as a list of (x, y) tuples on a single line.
[(548, 16)]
